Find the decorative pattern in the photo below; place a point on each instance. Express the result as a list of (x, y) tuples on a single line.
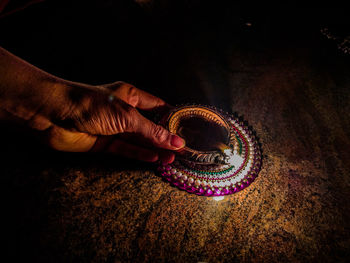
[(237, 169)]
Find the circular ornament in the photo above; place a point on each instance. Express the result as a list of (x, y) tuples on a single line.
[(222, 155)]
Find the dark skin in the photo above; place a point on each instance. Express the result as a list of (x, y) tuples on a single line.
[(77, 117)]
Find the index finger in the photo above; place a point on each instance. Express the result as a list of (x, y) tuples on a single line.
[(138, 98)]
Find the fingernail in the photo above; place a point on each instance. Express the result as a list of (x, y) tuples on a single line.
[(177, 142)]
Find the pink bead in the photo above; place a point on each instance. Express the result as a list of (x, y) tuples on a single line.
[(209, 191)]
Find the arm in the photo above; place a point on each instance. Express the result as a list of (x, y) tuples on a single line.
[(75, 116), (25, 91)]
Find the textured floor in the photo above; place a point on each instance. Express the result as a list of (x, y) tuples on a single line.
[(92, 208)]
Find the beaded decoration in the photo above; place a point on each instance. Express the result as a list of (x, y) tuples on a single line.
[(228, 166)]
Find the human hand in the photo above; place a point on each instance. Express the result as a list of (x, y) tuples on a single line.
[(106, 118), (78, 117)]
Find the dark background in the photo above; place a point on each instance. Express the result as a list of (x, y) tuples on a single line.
[(150, 45), (182, 51)]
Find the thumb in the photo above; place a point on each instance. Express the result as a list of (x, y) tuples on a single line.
[(156, 134)]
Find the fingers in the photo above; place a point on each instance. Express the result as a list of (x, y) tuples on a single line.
[(166, 156), (132, 151), (116, 116), (136, 97), (119, 146), (156, 134), (69, 141)]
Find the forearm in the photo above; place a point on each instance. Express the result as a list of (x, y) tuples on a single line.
[(30, 93)]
